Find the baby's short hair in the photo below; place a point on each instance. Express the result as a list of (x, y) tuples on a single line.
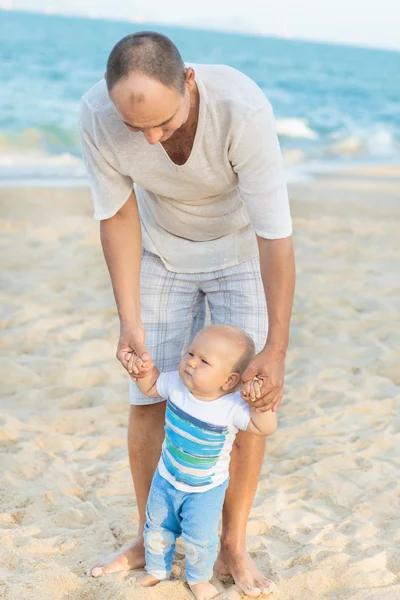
[(242, 339), (248, 353)]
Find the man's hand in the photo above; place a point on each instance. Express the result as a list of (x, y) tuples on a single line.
[(138, 368), (268, 367), (131, 345), (251, 390)]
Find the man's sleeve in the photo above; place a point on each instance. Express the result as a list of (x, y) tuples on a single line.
[(110, 188), (256, 158)]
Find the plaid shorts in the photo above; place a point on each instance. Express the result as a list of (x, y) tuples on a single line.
[(173, 309)]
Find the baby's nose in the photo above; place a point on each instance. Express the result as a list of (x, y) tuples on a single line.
[(192, 363)]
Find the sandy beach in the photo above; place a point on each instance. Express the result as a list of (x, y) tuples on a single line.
[(326, 519)]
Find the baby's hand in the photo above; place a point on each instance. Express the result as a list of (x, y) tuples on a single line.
[(251, 390), (137, 368)]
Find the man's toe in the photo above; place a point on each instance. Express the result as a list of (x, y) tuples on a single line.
[(267, 586), (96, 572), (250, 590)]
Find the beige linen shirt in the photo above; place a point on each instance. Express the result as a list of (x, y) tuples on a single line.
[(201, 216)]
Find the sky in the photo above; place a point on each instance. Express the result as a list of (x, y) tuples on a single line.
[(373, 23)]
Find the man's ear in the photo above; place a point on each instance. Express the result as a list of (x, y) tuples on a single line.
[(231, 383), (189, 77)]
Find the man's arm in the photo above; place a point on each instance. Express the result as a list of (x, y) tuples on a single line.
[(256, 158), (278, 275), (120, 233), (121, 239)]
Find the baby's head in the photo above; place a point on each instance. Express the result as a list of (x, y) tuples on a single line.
[(215, 361)]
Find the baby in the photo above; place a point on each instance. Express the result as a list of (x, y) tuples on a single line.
[(203, 414)]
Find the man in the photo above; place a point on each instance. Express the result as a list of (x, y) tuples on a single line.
[(208, 207)]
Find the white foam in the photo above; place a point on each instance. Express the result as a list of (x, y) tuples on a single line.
[(295, 128), (18, 168), (37, 158), (377, 141)]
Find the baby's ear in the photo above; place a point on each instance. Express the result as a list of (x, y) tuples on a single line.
[(231, 383)]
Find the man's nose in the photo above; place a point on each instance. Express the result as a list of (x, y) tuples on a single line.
[(152, 135)]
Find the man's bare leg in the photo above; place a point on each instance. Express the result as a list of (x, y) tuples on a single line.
[(246, 460), (145, 437)]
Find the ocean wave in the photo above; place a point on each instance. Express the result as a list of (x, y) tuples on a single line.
[(293, 156), (22, 156), (377, 141), (38, 159), (49, 139), (30, 165), (296, 128)]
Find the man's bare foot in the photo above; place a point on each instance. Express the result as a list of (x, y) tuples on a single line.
[(148, 580), (246, 575), (124, 560), (204, 590)]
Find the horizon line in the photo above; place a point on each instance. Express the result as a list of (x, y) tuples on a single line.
[(201, 27)]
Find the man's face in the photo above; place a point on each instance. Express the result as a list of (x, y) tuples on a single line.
[(149, 107)]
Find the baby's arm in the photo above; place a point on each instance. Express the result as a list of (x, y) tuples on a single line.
[(147, 384), (261, 423)]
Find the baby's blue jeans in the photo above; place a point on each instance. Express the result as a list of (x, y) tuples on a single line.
[(195, 516)]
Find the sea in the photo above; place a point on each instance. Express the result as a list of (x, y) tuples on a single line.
[(334, 105)]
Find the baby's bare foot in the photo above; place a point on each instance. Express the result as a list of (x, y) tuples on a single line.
[(204, 590), (147, 580)]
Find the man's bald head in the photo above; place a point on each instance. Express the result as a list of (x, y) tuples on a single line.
[(148, 53)]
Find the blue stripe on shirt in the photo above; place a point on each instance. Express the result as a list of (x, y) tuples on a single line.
[(201, 424), (193, 480), (192, 447), (185, 425)]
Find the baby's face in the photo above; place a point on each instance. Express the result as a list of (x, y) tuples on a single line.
[(208, 364)]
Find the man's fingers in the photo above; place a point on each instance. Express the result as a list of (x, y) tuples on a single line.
[(268, 405), (130, 363), (268, 398), (276, 405), (124, 357), (134, 364), (249, 374), (269, 389), (271, 404)]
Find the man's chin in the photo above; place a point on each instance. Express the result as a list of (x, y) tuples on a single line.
[(167, 137)]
